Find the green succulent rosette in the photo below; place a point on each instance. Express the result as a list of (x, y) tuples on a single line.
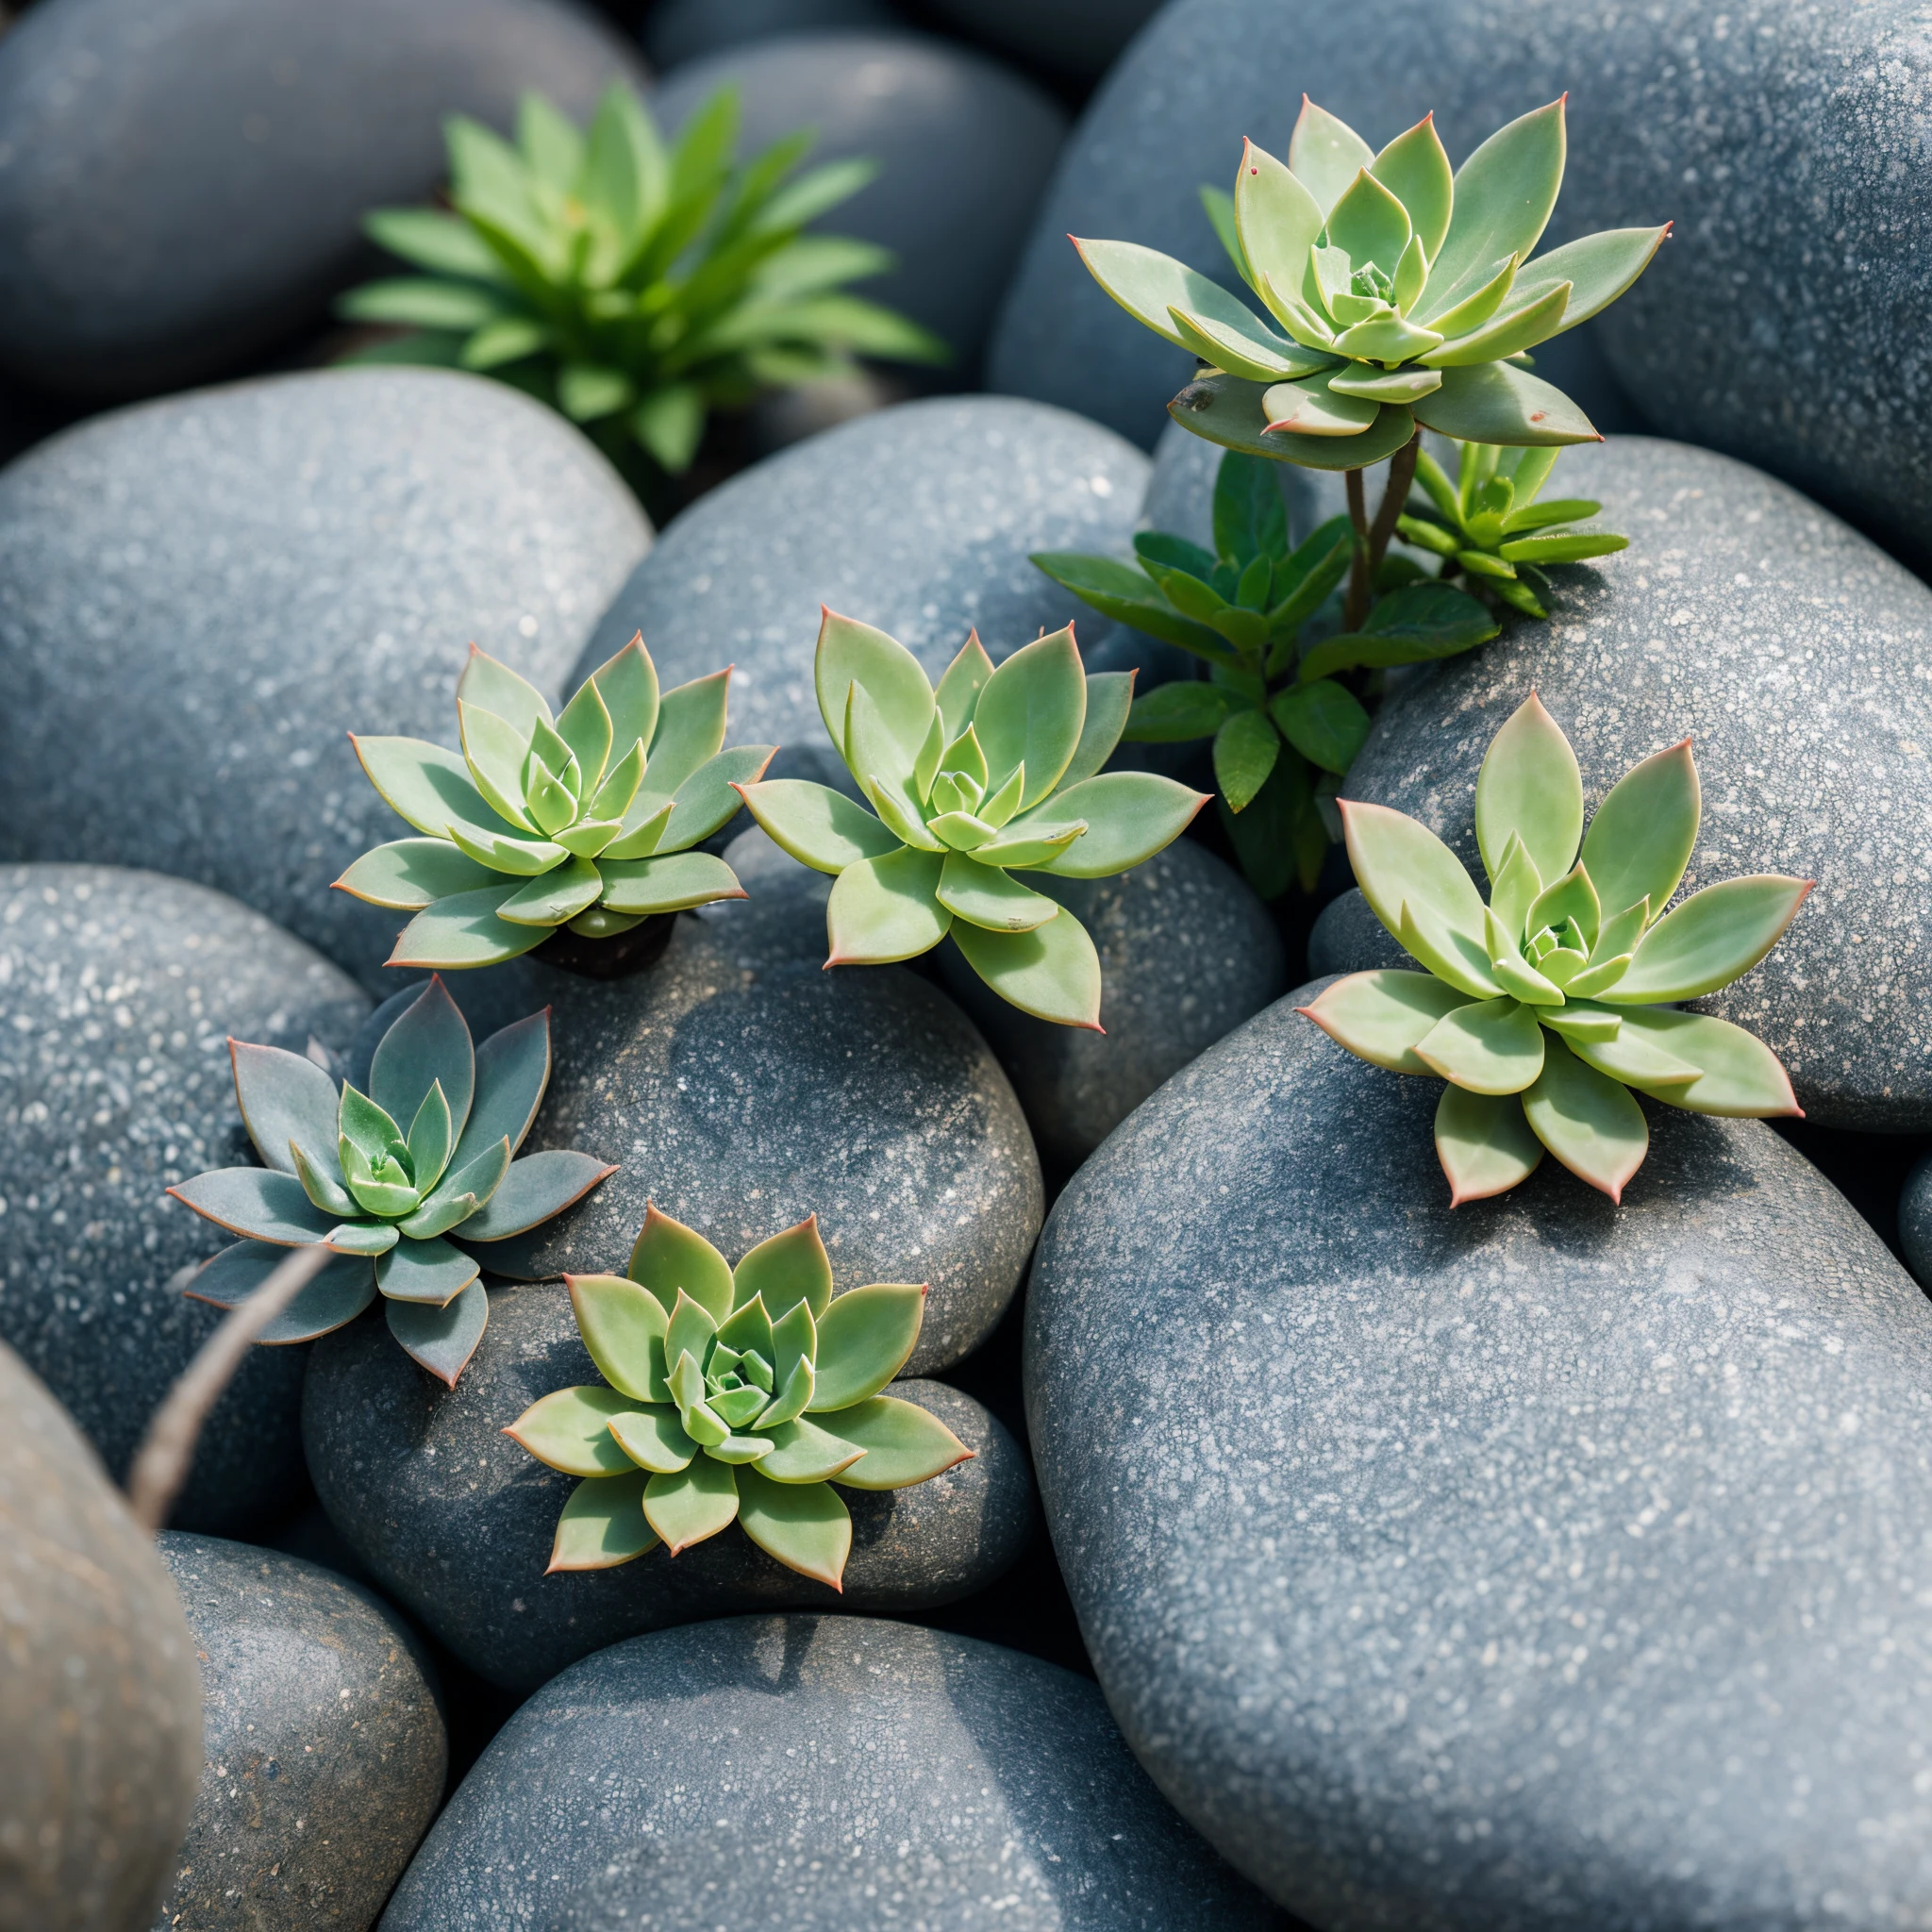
[(1398, 293), (732, 1394), (995, 774), (583, 821), (1545, 1010), (634, 286), (339, 1168)]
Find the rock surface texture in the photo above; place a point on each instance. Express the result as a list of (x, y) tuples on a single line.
[(456, 1520), (1781, 136), (326, 1750), (1798, 658), (1544, 1562), (950, 1770), (1078, 40), (964, 147), (100, 1702), (1186, 953), (208, 594), (919, 519), (182, 186), (120, 989)]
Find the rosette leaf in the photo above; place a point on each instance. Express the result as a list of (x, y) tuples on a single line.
[(583, 821), (1544, 1011), (709, 1373), (995, 774), (342, 1170)]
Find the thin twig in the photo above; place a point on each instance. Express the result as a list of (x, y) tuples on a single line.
[(166, 1455), (1395, 500), (1356, 607)]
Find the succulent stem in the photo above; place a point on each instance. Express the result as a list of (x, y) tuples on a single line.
[(633, 951), (1373, 540)]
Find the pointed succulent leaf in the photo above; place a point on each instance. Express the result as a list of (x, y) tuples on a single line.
[(1001, 803), (344, 1287), (671, 1260), (1385, 386), (492, 686), (959, 831), (850, 654), (1129, 817), (1484, 1143), (746, 1332), (691, 730), (585, 728), (550, 751), (1504, 195), (441, 1340), (464, 1188), (989, 898), (687, 1384), (555, 898), (1035, 848), (690, 1332), (818, 826), (1600, 268), (670, 882), (1369, 224), (1738, 1076), (570, 1430), (1713, 937), (653, 1439), (1109, 701), (602, 1525), (430, 787), (1277, 218), (1522, 325), (1633, 1059), (1386, 338), (1489, 1046), (1641, 836), (1573, 897), (802, 1451), (284, 1097), (1228, 410), (1052, 972), (784, 1269), (1450, 955), (1579, 1020), (738, 1449), (1249, 349), (496, 753), (692, 1504), (617, 792), (628, 683), (1529, 787), (535, 1187), (502, 851), (885, 910), (431, 1137), (1514, 974), (1311, 408), (1515, 882), (409, 873), (259, 1202), (429, 1271), (1414, 167), (1325, 154), (803, 1526), (1589, 1121), (319, 1182), (369, 1238), (512, 1068), (1381, 1017), (428, 1042), (1031, 712), (623, 1325), (904, 1444), (1498, 402), (710, 798), (1149, 286), (1399, 862)]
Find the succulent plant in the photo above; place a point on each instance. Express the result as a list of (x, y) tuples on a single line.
[(340, 1168), (635, 288), (996, 773), (732, 1394), (1489, 525), (1546, 1009), (1407, 294), (1283, 704), (585, 820)]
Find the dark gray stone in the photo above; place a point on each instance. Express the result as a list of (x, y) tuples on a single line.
[(680, 30), (1544, 1562), (1186, 953), (964, 147), (919, 519), (1348, 938), (456, 1520), (182, 186), (959, 1772), (200, 597), (119, 991), (100, 1701), (326, 1750), (1076, 40), (1797, 655), (1915, 1221)]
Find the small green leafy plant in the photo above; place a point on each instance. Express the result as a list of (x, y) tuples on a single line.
[(1544, 1011), (996, 773), (1399, 295), (585, 820), (1284, 706), (733, 1394), (1490, 527), (633, 286), (340, 1169)]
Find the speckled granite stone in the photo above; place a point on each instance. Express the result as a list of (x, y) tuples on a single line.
[(919, 519), (181, 186), (1541, 1563), (120, 989), (1186, 953), (878, 1744), (209, 593), (100, 1702), (456, 1520), (1799, 660), (326, 1750)]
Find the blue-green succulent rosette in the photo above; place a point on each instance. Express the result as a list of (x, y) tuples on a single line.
[(401, 1208)]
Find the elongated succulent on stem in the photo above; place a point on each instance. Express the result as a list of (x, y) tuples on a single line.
[(583, 821), (1546, 1009), (634, 286), (996, 773), (1284, 705), (1489, 527), (1398, 295), (340, 1168), (733, 1394)]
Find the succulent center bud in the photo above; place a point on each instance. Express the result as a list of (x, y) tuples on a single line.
[(1559, 951), (1369, 280), (957, 792)]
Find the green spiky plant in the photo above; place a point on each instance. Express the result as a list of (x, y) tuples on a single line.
[(633, 286), (1545, 1010), (995, 774), (733, 1395), (1399, 296), (1284, 705), (341, 1169), (584, 822)]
